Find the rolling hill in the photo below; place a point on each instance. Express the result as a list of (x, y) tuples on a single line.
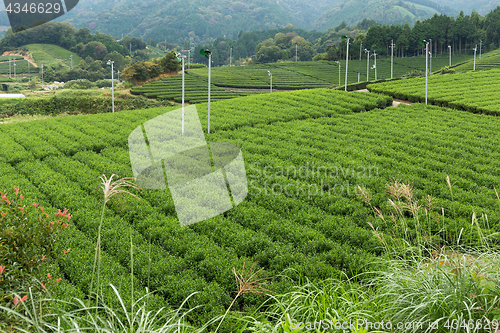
[(200, 21)]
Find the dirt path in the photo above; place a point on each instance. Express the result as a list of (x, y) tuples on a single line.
[(395, 102), (27, 58)]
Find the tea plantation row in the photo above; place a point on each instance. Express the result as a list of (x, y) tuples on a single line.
[(471, 91)]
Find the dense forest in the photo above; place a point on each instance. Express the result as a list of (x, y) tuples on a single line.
[(461, 33)]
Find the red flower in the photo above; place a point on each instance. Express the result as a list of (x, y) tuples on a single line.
[(4, 197), (2, 269), (59, 279), (35, 205), (16, 190), (3, 214), (63, 214), (66, 251), (49, 275), (21, 196), (44, 285), (22, 208), (43, 258), (65, 225), (16, 299)]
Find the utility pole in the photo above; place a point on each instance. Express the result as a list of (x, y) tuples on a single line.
[(480, 46), (360, 49), (430, 59), (375, 64), (189, 60)]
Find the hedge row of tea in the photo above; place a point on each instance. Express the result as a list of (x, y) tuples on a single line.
[(257, 77), (472, 91), (57, 162), (195, 90), (305, 153), (73, 105)]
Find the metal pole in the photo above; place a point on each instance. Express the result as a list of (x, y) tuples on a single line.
[(449, 48), (358, 76), (112, 88), (295, 52), (360, 48), (430, 59), (392, 56), (475, 49), (9, 69), (189, 60), (231, 56), (375, 64), (182, 95), (426, 69), (367, 65), (42, 76), (480, 47), (338, 63), (271, 82), (346, 63), (209, 67), (14, 69)]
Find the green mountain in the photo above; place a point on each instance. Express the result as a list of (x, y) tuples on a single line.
[(202, 20), (382, 11)]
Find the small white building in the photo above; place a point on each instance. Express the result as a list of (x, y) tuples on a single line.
[(12, 96)]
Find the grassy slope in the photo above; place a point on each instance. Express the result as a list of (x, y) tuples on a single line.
[(52, 55)]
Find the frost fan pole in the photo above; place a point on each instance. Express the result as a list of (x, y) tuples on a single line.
[(208, 55), (346, 60), (181, 58), (367, 65)]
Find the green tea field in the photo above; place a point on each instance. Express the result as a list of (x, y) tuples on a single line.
[(307, 155)]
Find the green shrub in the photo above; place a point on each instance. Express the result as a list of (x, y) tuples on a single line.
[(28, 237), (447, 70), (79, 84), (105, 83)]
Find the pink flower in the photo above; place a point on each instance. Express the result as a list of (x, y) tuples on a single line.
[(49, 275), (44, 285), (59, 279), (21, 196), (3, 214), (16, 190), (35, 205), (22, 208), (66, 251), (2, 269), (43, 258)]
